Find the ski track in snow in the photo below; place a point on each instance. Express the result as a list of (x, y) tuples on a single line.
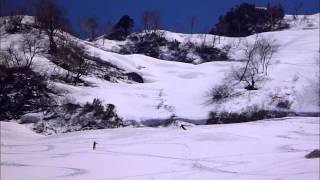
[(168, 153)]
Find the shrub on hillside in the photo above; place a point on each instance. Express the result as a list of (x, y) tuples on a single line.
[(157, 46), (210, 53), (17, 98), (252, 113), (173, 45), (220, 93), (284, 104), (13, 25), (73, 117), (281, 101), (116, 35), (147, 44), (178, 52)]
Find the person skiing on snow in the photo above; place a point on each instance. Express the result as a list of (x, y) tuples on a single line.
[(94, 145)]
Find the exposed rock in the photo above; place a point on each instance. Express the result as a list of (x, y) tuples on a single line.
[(135, 77), (31, 118), (314, 154)]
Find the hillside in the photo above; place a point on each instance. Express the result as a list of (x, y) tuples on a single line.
[(209, 107), (181, 89)]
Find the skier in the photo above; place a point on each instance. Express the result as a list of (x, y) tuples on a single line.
[(183, 127), (94, 145)]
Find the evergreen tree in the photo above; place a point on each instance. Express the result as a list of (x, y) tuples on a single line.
[(122, 28), (125, 25)]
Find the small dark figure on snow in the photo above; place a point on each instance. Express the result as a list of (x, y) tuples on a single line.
[(94, 145), (183, 127)]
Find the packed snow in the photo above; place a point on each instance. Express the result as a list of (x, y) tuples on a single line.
[(269, 149)]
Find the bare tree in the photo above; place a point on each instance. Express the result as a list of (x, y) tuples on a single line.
[(10, 56), (51, 19), (151, 21), (90, 25), (22, 53), (192, 21), (275, 14), (296, 8), (215, 40), (177, 27), (258, 57), (105, 29), (203, 36), (30, 47), (73, 57)]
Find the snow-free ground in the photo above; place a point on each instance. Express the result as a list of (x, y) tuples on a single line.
[(269, 149)]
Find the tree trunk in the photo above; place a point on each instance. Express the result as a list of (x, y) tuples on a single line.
[(53, 46)]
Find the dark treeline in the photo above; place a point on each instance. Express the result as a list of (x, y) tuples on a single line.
[(246, 19)]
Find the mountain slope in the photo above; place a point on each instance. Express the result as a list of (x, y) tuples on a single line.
[(183, 87), (180, 89)]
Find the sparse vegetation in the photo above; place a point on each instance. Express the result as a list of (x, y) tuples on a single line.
[(210, 53), (220, 93), (21, 53), (156, 45), (252, 113), (281, 101), (74, 117), (73, 57), (148, 44), (151, 21), (30, 47)]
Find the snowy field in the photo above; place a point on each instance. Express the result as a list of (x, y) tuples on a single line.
[(269, 149)]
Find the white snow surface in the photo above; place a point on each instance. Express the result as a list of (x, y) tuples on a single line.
[(263, 150), (180, 89)]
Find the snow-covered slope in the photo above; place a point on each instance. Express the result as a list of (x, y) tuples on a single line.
[(180, 89), (272, 149), (300, 23), (303, 21), (173, 88)]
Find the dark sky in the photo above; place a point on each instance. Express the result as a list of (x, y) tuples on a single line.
[(174, 13)]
